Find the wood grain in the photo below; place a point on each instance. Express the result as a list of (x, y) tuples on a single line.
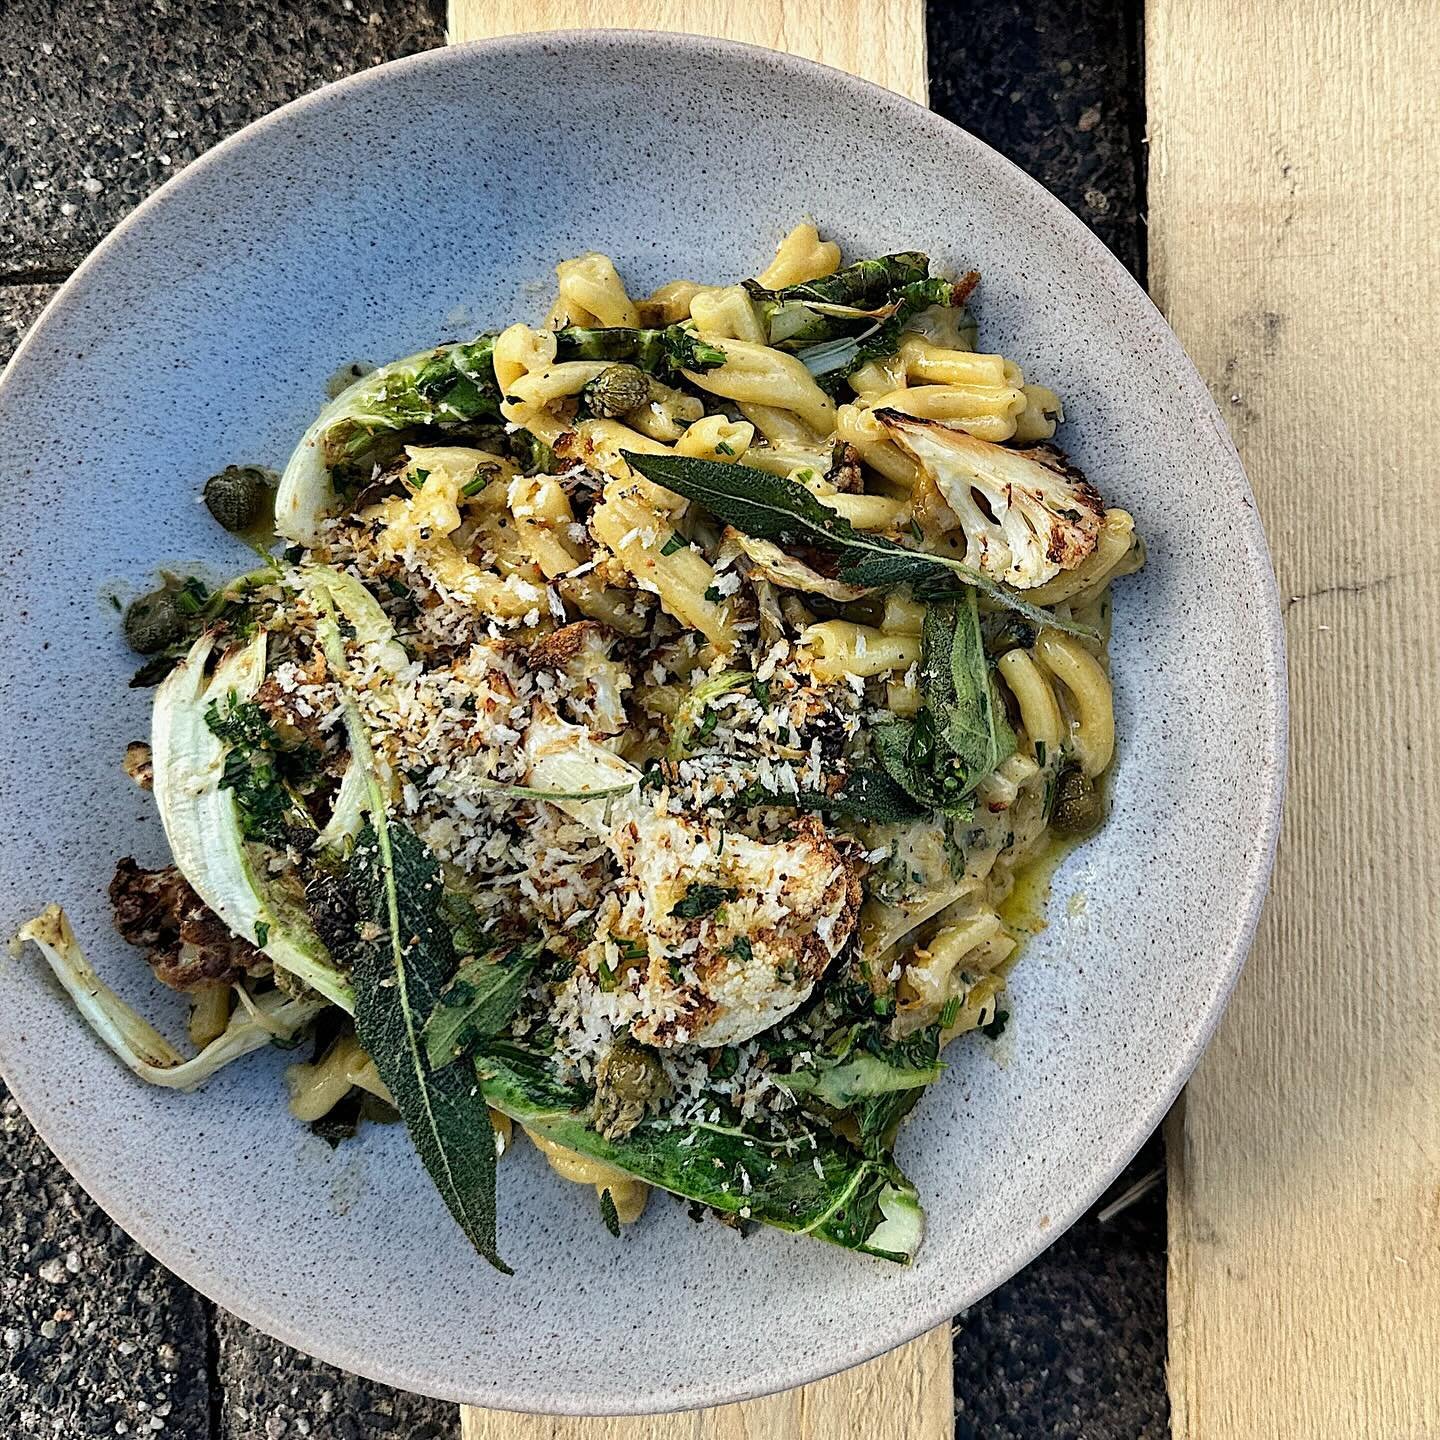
[(1295, 237), (907, 1394), (881, 40)]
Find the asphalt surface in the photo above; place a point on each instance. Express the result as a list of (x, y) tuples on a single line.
[(101, 101)]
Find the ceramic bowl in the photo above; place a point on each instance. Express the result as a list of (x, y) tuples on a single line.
[(429, 199)]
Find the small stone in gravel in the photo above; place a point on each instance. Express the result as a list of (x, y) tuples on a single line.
[(53, 1271)]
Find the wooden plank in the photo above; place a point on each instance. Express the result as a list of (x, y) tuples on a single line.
[(905, 1395), (883, 40), (1295, 237)]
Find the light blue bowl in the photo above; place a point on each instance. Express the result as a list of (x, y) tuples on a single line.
[(429, 199)]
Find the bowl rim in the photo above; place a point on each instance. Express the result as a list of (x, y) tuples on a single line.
[(334, 1348)]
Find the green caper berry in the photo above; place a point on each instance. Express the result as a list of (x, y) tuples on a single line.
[(1077, 809), (617, 390), (627, 1081), (236, 497), (152, 622)]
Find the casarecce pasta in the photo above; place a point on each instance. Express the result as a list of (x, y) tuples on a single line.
[(640, 740)]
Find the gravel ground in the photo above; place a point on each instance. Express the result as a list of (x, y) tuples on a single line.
[(104, 100), (1056, 86)]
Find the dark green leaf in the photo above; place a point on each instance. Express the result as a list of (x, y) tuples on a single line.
[(478, 1003), (530, 792), (996, 1028), (955, 678), (911, 755), (865, 795), (398, 979), (701, 899), (774, 507), (816, 1185), (609, 1214)]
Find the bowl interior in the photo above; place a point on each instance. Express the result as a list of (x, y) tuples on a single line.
[(429, 199)]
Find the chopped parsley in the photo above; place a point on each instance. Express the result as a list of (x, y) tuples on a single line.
[(996, 1028), (608, 1212), (676, 542), (702, 899)]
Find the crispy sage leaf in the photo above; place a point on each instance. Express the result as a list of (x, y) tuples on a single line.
[(398, 978), (774, 507), (479, 1002), (955, 679)]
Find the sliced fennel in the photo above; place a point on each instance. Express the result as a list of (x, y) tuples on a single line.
[(445, 386), (202, 821), (143, 1048)]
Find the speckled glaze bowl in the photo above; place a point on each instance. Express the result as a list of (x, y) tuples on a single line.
[(426, 200)]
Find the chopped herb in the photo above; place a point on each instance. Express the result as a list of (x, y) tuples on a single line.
[(1040, 753), (608, 1212), (632, 949), (713, 595), (674, 543), (262, 934), (950, 1012), (996, 1028), (190, 598), (741, 948), (760, 689), (917, 531), (418, 478), (259, 772), (722, 448), (726, 1063), (701, 899)]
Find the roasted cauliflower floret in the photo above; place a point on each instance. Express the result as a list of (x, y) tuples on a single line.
[(581, 653), (709, 936), (1026, 514)]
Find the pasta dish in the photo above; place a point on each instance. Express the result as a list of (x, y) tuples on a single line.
[(631, 733)]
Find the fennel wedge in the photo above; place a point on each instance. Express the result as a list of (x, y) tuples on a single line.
[(202, 819)]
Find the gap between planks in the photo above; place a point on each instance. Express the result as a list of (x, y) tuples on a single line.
[(906, 1395)]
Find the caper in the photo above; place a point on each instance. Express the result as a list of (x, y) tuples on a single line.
[(617, 390), (152, 622), (627, 1080), (1077, 809), (237, 496)]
